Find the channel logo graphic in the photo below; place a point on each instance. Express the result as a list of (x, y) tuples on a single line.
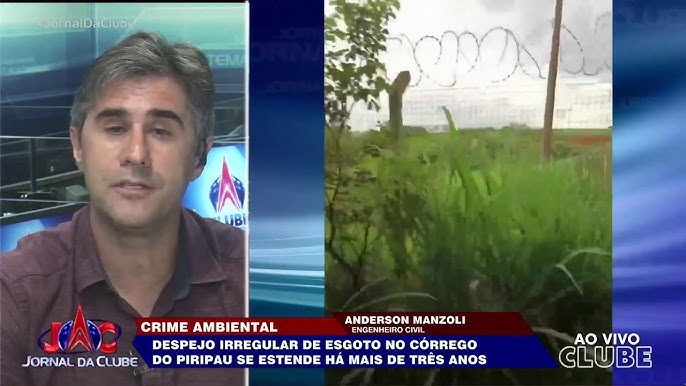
[(221, 191), (227, 189), (227, 195), (80, 336)]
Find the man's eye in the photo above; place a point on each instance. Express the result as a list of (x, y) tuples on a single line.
[(161, 132), (116, 129)]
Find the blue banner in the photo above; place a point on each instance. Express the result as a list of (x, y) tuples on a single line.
[(344, 352)]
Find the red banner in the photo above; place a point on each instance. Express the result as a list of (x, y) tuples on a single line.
[(443, 323)]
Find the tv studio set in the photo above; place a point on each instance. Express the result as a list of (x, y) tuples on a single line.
[(41, 69)]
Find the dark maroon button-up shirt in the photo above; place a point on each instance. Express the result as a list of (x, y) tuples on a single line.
[(52, 272)]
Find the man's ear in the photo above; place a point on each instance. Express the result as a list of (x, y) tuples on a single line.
[(205, 147), (75, 145)]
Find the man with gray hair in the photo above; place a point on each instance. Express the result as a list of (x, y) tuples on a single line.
[(141, 127)]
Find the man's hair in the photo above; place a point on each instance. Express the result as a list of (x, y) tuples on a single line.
[(148, 54)]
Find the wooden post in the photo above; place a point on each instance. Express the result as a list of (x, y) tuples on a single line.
[(395, 103), (547, 144)]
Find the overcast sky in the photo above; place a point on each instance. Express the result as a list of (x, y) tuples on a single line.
[(530, 21)]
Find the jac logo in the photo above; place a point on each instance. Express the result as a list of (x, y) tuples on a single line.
[(80, 335)]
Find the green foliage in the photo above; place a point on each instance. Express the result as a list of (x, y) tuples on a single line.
[(471, 221), (563, 150), (460, 222), (354, 71)]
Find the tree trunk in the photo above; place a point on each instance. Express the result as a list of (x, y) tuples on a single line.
[(395, 103)]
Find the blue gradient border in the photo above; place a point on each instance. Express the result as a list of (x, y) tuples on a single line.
[(650, 185), (286, 168)]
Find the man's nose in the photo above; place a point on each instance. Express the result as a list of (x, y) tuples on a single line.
[(136, 149)]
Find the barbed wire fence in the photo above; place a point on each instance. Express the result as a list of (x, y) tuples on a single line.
[(498, 78)]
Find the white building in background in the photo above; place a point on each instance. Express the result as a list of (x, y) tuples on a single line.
[(579, 105)]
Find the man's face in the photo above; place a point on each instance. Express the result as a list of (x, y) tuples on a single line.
[(137, 151)]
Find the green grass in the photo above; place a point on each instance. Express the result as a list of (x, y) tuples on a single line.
[(472, 221)]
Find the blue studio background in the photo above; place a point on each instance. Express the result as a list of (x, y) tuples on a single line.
[(649, 270)]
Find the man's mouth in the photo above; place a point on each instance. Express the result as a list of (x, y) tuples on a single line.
[(134, 189), (133, 185)]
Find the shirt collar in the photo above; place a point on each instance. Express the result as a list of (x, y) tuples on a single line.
[(197, 262)]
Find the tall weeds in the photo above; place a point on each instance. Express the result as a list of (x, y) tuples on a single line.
[(473, 222)]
